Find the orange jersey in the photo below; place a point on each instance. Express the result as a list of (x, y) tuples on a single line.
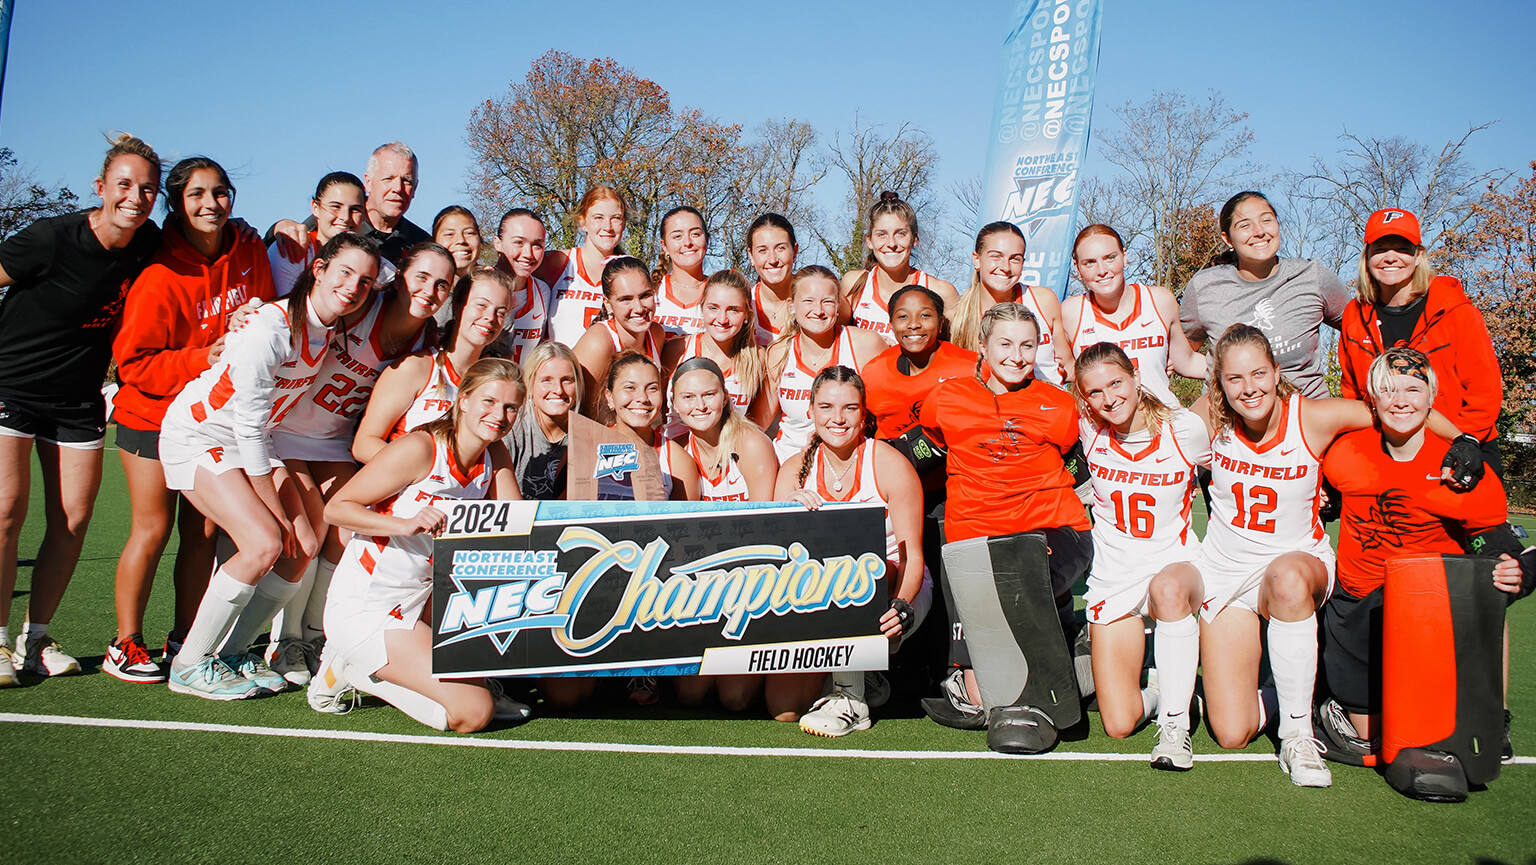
[(1005, 469), (1396, 508), (896, 400)]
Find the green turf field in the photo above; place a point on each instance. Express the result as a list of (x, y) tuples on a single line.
[(148, 793)]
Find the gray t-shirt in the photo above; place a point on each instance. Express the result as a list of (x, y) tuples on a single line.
[(538, 462), (1289, 306)]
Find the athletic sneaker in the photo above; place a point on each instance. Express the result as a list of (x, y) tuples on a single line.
[(1173, 751), (251, 666), (643, 690), (44, 657), (1342, 742), (212, 679), (312, 650), (505, 708), (328, 692), (128, 659), (836, 715), (8, 668), (953, 707), (289, 658), (1301, 757)]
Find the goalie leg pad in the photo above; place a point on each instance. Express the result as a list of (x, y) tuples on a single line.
[(1003, 595), (1441, 683)]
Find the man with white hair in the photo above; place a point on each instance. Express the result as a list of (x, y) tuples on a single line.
[(390, 184)]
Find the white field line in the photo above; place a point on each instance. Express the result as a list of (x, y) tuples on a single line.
[(604, 747)]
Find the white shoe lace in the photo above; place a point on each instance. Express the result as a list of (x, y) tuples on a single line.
[(1304, 752)]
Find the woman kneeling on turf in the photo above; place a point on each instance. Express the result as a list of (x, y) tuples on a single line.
[(843, 464), (1141, 456), (1265, 553), (378, 636), (1394, 505)]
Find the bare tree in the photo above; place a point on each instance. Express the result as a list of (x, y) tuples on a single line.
[(783, 165), (1173, 156), (871, 163), (23, 200), (1368, 174)]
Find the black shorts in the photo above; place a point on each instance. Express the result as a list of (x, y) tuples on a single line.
[(139, 442), (80, 425), (1352, 650)]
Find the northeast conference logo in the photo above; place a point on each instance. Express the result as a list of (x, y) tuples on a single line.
[(616, 460), (500, 593)]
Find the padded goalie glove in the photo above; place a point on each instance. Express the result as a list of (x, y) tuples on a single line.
[(1465, 460), (1501, 540)]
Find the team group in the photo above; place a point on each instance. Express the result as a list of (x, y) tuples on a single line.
[(294, 410)]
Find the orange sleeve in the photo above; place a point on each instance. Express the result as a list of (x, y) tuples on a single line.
[(1477, 366), (143, 347), (1349, 386)]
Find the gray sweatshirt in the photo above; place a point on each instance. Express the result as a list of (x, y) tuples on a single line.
[(1289, 306)]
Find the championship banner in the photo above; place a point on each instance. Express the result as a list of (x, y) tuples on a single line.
[(1040, 131), (657, 588)]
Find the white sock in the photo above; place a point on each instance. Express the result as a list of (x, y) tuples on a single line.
[(269, 595), (419, 706), (32, 630), (1293, 659), (1149, 700), (285, 625), (851, 683), (1176, 652), (5, 635), (220, 607), (313, 622)]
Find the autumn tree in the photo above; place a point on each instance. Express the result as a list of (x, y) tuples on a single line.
[(1176, 157), (23, 200), (571, 124), (1493, 253)]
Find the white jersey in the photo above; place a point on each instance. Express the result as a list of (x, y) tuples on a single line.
[(345, 379), (1264, 499), (1047, 367), (611, 489), (575, 301), (675, 316), (235, 403), (1143, 488), (1144, 336), (380, 573), (433, 400), (647, 346), (794, 385), (870, 312), (729, 485), (527, 326), (762, 324), (859, 486)]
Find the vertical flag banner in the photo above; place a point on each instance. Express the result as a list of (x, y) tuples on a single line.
[(1040, 131)]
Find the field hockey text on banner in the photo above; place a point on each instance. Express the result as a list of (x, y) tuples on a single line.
[(657, 588)]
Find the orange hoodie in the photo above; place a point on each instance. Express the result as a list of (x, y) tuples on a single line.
[(1452, 333), (179, 306)]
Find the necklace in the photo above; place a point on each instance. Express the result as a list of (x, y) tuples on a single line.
[(837, 477)]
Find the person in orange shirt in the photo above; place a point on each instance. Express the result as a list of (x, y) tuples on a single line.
[(1006, 434), (174, 322), (1401, 301), (1395, 505)]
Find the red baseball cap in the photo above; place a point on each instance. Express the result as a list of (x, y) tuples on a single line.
[(1395, 221)]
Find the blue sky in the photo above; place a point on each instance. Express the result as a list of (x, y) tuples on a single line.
[(282, 92)]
